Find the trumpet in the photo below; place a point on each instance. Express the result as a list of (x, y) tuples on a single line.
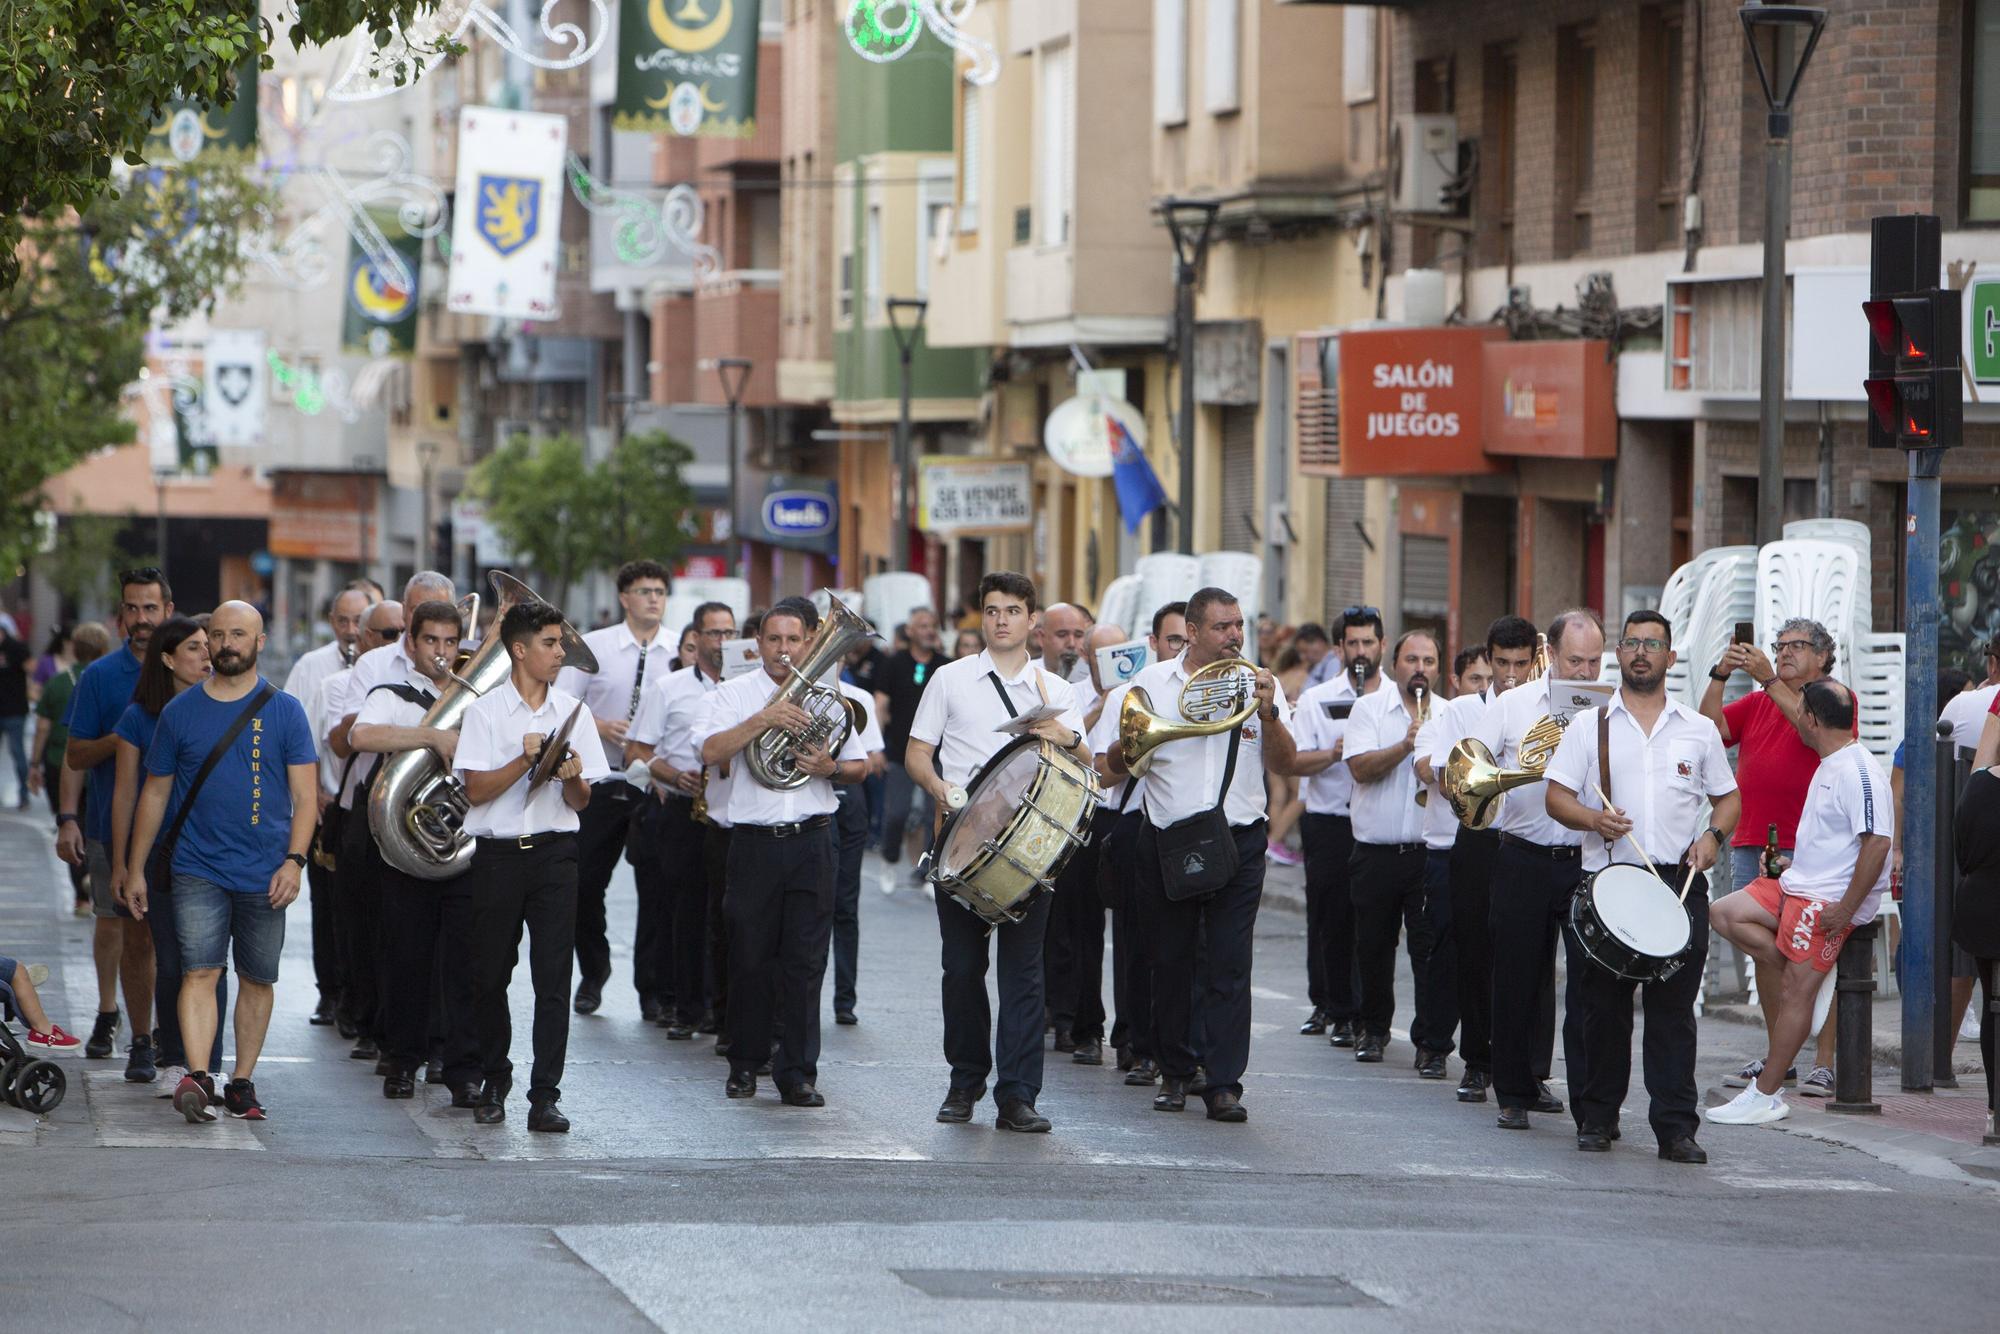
[(1217, 698)]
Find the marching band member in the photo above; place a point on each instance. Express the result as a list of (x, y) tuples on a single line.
[(1387, 866), (1076, 992), (525, 860), (1327, 831), (850, 826), (954, 733), (779, 903), (1534, 875), (1062, 633), (1188, 779), (1666, 764), (628, 654), (1510, 652)]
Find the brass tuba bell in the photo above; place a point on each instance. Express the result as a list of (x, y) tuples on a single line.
[(1209, 690)]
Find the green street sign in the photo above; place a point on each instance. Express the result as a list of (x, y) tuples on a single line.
[(1982, 349)]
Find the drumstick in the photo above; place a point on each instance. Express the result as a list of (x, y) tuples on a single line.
[(1628, 838), (1687, 883)]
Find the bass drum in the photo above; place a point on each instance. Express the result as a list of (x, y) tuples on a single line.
[(1630, 924), (1026, 811)]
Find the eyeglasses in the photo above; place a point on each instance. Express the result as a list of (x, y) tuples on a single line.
[(390, 633), (715, 634), (1175, 642), (1793, 645), (1634, 645)]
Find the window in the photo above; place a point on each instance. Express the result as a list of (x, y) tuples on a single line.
[(933, 218), (1576, 130), (1982, 111), (1221, 78), (1496, 149), (872, 260), (1056, 168), (1170, 61), (1357, 54), (971, 156), (764, 230), (1661, 170)]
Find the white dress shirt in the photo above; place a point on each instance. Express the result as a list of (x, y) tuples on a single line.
[(1331, 790), (1524, 813), (870, 734), (607, 692), (1115, 795), (1966, 712), (311, 668), (490, 738), (1848, 800), (748, 801), (347, 691), (1185, 777), (1663, 782), (1385, 811), (666, 716), (960, 711), (325, 714), (386, 708), (1451, 722)]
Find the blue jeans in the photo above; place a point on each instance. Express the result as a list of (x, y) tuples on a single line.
[(208, 917), (1746, 864), (167, 971)]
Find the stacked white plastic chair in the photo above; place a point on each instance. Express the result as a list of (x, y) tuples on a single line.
[(735, 592), (1165, 576), (1725, 593), (890, 598), (1242, 574), (1677, 605)]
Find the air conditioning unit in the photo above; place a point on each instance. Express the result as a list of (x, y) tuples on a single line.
[(1426, 153)]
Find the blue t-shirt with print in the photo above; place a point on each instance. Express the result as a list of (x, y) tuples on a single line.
[(240, 826), (102, 693), (137, 726)]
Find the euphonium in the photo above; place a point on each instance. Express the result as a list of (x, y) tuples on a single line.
[(417, 806), (1218, 697), (772, 757)]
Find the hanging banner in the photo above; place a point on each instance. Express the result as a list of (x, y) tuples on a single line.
[(688, 67), (190, 129), (508, 213), (380, 310), (233, 387)]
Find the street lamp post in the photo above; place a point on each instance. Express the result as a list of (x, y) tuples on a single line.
[(734, 373), (1192, 223), (901, 517), (1780, 80)]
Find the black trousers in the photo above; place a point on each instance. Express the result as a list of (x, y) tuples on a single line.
[(1131, 971), (1441, 968), (973, 1045), (780, 911), (1221, 927), (1668, 1047), (715, 866), (1531, 894), (683, 855), (600, 840), (653, 934), (1472, 857), (427, 934), (323, 888), (850, 835), (1076, 997), (1387, 883), (1330, 979), (533, 889), (364, 979)]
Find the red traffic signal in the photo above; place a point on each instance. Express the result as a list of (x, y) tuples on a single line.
[(1913, 372)]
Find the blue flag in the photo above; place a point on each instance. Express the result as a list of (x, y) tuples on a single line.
[(1139, 489)]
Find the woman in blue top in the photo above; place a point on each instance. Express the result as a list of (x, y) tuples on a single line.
[(176, 658)]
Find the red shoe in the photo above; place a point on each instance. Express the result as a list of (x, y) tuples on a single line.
[(191, 1098), (54, 1040)]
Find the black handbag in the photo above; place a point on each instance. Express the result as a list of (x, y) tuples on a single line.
[(1198, 854)]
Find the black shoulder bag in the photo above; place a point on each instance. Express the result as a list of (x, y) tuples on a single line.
[(164, 849), (1198, 854)]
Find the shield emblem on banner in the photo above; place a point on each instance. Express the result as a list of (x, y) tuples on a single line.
[(232, 381), (510, 211)]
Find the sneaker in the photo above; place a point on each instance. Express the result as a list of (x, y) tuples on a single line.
[(1281, 854), (1818, 1084), (139, 1068), (53, 1040), (101, 1034), (82, 908), (169, 1081), (1745, 1077), (239, 1099), (1751, 1108), (191, 1098)]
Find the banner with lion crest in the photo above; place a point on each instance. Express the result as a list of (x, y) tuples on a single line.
[(507, 213), (688, 67)]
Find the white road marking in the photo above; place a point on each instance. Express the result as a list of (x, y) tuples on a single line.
[(1481, 1173), (1746, 1182)]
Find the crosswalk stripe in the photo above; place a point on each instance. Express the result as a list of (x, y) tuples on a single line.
[(130, 1116)]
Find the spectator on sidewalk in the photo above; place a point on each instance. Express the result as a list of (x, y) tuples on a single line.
[(17, 991), (15, 660), (85, 645), (236, 849), (1975, 928)]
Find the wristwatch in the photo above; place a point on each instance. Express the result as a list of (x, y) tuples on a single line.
[(65, 817), (1717, 835), (1079, 738), (298, 857), (1717, 674)]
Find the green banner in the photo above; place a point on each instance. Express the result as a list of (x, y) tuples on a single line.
[(688, 67), (379, 309), (190, 129)]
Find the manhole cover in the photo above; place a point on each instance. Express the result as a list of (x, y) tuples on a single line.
[(1136, 1289)]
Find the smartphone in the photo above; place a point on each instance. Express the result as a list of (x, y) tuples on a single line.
[(1746, 632)]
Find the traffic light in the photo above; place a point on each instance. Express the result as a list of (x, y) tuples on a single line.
[(1913, 370)]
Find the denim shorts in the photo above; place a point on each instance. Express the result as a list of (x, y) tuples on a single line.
[(208, 917)]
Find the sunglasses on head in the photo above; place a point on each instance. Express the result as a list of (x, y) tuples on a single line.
[(1361, 614)]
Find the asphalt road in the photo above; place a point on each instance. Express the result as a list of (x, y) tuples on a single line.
[(1356, 1196)]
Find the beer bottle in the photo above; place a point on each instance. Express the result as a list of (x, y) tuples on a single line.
[(1771, 851)]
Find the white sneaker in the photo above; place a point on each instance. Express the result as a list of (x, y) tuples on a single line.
[(1751, 1108), (170, 1078)]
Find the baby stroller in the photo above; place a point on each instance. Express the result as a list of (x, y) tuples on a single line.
[(34, 1085)]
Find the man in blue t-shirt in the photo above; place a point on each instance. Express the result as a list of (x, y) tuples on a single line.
[(239, 851), (122, 947)]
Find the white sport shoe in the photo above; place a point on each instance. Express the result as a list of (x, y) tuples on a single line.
[(169, 1080), (1751, 1108), (1818, 1084)]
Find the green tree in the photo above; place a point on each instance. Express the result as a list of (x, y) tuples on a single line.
[(650, 501), (86, 556)]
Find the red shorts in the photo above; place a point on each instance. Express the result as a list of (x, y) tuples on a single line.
[(1799, 936)]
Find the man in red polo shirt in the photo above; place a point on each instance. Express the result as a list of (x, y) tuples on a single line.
[(1774, 771)]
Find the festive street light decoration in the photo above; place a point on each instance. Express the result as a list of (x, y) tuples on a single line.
[(306, 259), (417, 47), (886, 30), (649, 229)]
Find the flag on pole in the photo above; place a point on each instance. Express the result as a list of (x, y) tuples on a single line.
[(1139, 489)]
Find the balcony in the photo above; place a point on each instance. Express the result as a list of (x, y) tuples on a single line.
[(737, 316)]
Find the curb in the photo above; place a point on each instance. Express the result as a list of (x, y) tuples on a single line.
[(1884, 1051)]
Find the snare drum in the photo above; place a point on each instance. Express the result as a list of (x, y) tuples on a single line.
[(1630, 923), (1026, 811)]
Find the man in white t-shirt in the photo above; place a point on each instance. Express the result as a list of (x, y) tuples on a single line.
[(1798, 922), (1967, 710)]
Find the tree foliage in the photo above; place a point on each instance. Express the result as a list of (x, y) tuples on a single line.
[(565, 516)]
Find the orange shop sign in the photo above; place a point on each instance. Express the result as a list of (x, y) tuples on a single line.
[(321, 516), (1410, 402)]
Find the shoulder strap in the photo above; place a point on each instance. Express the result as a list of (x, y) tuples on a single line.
[(1604, 750), (1001, 691), (257, 702), (1229, 769), (403, 690), (1131, 784)]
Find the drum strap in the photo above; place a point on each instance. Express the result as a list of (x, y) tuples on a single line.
[(1604, 749), (1001, 690)]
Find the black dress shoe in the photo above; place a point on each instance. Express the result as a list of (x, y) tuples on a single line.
[(492, 1108), (1545, 1101), (1022, 1117), (322, 1014), (957, 1105), (465, 1095), (1314, 1025), (1368, 1047), (1172, 1096), (1143, 1073), (1088, 1052), (434, 1071), (1592, 1139), (1683, 1149), (1430, 1065), (742, 1084), (679, 1033), (544, 1117), (399, 1086), (345, 1026), (589, 995), (365, 1050), (650, 1010), (805, 1095), (1472, 1088), (1226, 1106), (1065, 1039), (845, 1018), (1513, 1118), (1340, 1033)]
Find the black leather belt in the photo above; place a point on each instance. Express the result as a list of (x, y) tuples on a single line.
[(1561, 852), (526, 842), (1400, 849), (785, 830)]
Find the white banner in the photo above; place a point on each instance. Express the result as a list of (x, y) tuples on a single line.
[(234, 387), (508, 213), (967, 496)]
